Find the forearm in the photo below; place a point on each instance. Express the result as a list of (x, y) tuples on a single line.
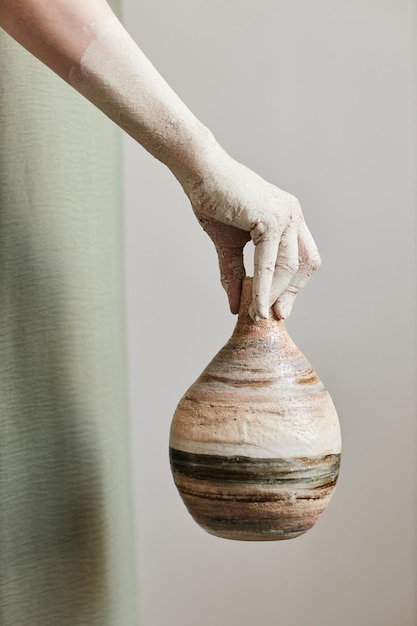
[(55, 31), (85, 44), (118, 78)]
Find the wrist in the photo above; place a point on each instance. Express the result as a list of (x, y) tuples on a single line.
[(202, 162), (191, 161)]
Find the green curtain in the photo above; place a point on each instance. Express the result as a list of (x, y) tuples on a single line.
[(66, 533)]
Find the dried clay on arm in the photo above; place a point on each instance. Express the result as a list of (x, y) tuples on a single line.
[(232, 203), (87, 46), (117, 76)]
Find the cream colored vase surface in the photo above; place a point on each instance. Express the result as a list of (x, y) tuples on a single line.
[(255, 442)]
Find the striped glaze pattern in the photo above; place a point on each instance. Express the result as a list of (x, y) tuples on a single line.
[(255, 442)]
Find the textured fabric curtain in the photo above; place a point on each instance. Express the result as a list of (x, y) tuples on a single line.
[(66, 532)]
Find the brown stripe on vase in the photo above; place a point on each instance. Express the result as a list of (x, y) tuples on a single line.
[(254, 499)]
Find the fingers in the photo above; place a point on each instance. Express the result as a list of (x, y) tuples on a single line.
[(287, 263), (229, 243), (285, 253), (232, 273), (266, 242), (309, 262)]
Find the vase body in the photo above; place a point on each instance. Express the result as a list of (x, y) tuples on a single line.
[(255, 442)]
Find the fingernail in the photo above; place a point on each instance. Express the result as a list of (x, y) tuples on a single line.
[(263, 308), (285, 310), (277, 311)]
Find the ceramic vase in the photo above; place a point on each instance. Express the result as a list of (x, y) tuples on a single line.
[(255, 442)]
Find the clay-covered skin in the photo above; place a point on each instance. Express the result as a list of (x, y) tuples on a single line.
[(232, 203), (87, 46), (255, 442)]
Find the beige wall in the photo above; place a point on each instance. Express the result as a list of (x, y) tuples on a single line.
[(320, 98)]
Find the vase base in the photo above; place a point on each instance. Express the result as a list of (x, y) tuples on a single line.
[(244, 535)]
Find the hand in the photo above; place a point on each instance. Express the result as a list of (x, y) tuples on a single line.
[(234, 205)]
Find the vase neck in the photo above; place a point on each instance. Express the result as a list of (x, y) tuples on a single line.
[(271, 326), (246, 299)]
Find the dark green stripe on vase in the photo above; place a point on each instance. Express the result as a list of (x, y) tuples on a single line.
[(254, 498)]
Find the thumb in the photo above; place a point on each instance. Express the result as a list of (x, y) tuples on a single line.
[(232, 273), (229, 242)]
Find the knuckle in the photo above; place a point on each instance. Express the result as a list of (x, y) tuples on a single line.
[(295, 203), (264, 229), (315, 262), (257, 232), (290, 267), (264, 267)]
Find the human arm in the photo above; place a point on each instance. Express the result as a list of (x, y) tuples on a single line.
[(85, 44)]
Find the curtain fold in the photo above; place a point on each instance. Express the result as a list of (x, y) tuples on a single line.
[(66, 533)]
